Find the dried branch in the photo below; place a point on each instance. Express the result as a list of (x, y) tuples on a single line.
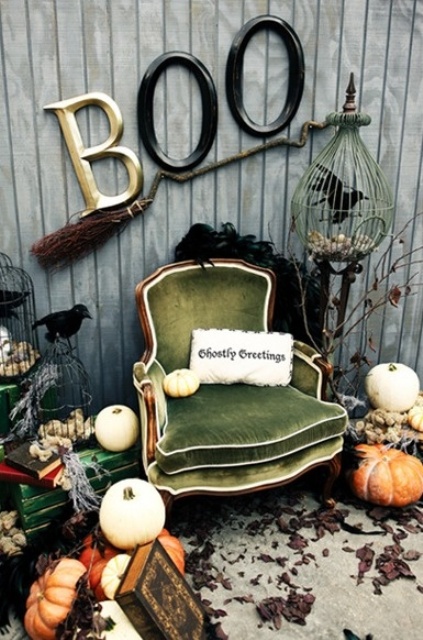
[(379, 293)]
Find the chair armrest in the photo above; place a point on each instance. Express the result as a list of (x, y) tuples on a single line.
[(310, 371), (152, 406)]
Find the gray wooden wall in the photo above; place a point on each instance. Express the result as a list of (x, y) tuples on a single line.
[(55, 49)]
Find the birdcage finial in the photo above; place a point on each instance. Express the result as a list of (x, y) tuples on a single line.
[(350, 105)]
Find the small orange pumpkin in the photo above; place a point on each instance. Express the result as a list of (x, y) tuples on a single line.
[(96, 552), (50, 599), (95, 547), (386, 476), (94, 578), (174, 549)]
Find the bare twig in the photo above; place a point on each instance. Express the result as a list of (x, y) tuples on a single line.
[(379, 292)]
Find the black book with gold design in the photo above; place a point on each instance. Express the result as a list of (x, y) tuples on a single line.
[(157, 599)]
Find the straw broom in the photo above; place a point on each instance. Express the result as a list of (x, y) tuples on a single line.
[(77, 239)]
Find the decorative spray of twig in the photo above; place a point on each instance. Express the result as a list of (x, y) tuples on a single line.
[(78, 239), (81, 493), (29, 404), (379, 293)]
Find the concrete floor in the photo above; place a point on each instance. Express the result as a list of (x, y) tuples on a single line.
[(242, 551), (278, 542)]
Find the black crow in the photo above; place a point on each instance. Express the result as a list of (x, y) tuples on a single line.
[(340, 197), (63, 324)]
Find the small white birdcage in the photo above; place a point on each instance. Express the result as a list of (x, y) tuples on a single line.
[(65, 409), (18, 341)]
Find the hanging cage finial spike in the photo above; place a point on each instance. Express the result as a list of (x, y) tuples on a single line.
[(350, 106)]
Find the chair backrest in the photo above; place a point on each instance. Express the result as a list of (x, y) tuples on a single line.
[(180, 297)]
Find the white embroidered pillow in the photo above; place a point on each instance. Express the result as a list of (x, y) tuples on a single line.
[(228, 356)]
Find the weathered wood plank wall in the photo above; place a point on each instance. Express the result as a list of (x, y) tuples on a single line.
[(54, 49)]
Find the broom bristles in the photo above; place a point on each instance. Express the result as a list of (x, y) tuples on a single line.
[(77, 239)]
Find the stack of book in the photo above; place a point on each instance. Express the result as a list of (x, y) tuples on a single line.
[(19, 466)]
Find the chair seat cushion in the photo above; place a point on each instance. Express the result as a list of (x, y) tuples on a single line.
[(222, 426), (246, 477)]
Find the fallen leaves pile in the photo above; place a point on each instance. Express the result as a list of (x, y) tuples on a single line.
[(273, 533)]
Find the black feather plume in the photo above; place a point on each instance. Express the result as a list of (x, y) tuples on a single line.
[(298, 290)]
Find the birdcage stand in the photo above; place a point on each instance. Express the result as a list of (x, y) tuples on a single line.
[(348, 275)]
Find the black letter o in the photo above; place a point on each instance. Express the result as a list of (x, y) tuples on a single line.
[(145, 110), (234, 71)]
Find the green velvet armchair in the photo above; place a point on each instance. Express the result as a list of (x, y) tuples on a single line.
[(227, 438)]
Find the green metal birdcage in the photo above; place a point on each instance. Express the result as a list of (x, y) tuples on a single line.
[(342, 207)]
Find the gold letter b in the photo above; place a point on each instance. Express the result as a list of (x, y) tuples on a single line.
[(82, 156)]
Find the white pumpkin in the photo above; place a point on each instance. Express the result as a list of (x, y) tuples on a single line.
[(131, 512), (181, 383), (117, 428), (123, 627), (112, 574), (392, 386)]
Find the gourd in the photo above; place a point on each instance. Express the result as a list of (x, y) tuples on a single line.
[(131, 512), (386, 476), (415, 417), (117, 428), (112, 574), (392, 386), (50, 599), (174, 549), (181, 383)]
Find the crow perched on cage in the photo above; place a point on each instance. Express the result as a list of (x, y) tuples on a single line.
[(63, 324)]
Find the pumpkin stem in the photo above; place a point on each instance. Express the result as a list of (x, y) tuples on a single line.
[(392, 367), (128, 493), (117, 410)]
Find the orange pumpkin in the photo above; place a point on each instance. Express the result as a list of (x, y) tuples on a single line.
[(94, 578), (386, 476), (174, 548), (94, 548), (50, 599)]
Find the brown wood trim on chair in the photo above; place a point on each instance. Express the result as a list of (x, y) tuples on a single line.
[(326, 368), (334, 472), (148, 392)]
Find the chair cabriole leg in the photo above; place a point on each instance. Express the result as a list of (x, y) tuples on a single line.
[(334, 472)]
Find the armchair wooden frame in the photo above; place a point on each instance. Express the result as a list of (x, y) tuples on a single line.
[(149, 371)]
